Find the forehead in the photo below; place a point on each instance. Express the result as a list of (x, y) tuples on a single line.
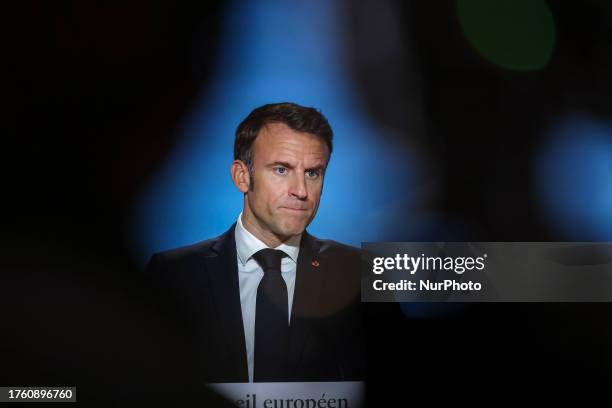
[(277, 141)]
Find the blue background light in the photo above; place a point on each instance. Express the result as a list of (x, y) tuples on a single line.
[(573, 178), (276, 51)]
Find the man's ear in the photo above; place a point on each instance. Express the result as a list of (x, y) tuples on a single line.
[(240, 175)]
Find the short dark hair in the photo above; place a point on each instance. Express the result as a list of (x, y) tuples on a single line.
[(296, 117)]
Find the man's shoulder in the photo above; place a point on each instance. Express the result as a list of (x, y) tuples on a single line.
[(189, 256), (342, 256), (198, 249), (330, 247)]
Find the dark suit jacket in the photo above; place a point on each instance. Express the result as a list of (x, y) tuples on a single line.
[(200, 282)]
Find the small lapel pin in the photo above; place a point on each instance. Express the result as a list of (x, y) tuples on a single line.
[(315, 263)]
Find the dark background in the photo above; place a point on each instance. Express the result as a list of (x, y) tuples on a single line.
[(93, 92)]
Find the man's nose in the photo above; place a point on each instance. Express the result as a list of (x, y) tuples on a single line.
[(298, 187)]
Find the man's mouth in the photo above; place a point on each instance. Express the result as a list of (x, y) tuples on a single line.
[(295, 209)]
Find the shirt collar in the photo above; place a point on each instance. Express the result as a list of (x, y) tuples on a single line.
[(248, 244)]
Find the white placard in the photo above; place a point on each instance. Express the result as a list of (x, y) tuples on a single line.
[(338, 394)]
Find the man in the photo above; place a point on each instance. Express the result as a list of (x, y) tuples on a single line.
[(266, 301)]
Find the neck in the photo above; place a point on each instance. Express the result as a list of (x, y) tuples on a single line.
[(251, 224)]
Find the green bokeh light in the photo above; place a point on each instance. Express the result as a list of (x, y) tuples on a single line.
[(514, 34)]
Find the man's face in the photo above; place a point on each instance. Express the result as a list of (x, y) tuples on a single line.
[(288, 170)]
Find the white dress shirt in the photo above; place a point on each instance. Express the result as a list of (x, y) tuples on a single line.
[(249, 275)]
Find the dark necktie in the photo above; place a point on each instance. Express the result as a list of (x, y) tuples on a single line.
[(271, 319)]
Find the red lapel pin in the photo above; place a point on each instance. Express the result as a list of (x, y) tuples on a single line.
[(315, 263)]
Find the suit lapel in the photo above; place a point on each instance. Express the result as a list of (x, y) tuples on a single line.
[(305, 299), (223, 272)]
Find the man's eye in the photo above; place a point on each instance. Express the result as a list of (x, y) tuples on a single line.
[(312, 173), (280, 170)]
